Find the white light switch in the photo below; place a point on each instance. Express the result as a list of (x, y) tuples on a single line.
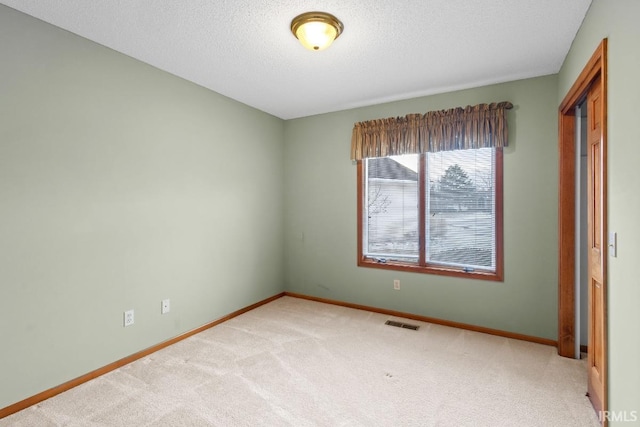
[(613, 244)]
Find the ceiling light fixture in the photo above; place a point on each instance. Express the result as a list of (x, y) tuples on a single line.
[(316, 30)]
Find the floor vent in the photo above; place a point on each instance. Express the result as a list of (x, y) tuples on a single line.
[(401, 325)]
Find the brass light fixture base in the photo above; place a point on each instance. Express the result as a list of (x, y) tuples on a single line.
[(316, 30)]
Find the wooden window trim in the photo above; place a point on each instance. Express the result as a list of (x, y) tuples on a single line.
[(422, 267)]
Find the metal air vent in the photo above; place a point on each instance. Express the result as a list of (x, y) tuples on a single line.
[(401, 325)]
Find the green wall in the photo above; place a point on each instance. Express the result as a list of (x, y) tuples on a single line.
[(320, 217), (619, 21), (122, 185)]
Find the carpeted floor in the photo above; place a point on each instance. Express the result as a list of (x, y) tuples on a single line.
[(294, 362)]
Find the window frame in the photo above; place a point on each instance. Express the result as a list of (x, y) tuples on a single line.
[(422, 266)]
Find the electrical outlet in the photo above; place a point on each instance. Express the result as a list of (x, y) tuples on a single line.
[(128, 318), (165, 306), (396, 284)]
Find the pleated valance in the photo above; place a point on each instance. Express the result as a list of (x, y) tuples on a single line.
[(479, 126)]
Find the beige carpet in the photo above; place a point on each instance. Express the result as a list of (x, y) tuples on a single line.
[(294, 362)]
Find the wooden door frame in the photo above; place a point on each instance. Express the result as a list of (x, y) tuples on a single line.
[(595, 72)]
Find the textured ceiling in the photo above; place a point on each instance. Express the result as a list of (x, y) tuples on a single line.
[(389, 50)]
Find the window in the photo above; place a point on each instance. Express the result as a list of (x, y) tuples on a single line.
[(436, 212), (430, 191)]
